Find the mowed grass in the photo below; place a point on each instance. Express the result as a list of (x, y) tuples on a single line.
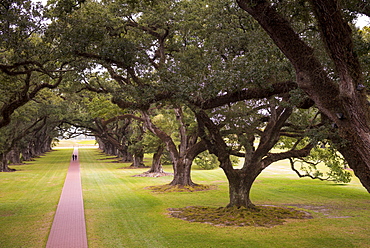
[(28, 199), (75, 143), (121, 212)]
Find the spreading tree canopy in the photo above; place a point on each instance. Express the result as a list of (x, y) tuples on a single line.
[(334, 80), (234, 73)]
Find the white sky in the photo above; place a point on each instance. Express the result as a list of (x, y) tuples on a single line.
[(363, 21)]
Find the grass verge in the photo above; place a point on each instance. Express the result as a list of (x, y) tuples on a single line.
[(122, 212), (28, 199)]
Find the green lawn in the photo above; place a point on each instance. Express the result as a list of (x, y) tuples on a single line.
[(28, 199), (75, 143), (120, 212)]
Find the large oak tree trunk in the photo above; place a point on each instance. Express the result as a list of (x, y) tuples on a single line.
[(26, 155), (357, 163), (100, 143), (240, 184), (182, 173), (157, 164), (4, 163), (255, 160), (240, 181), (14, 156), (342, 101), (138, 161), (182, 155), (125, 155)]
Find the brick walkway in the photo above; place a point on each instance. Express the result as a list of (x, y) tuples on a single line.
[(68, 229)]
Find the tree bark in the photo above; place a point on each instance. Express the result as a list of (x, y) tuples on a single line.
[(157, 164), (138, 161), (240, 180), (14, 156), (240, 184), (342, 102), (110, 149), (357, 164), (125, 155), (4, 163), (26, 154), (182, 175), (181, 156), (255, 161)]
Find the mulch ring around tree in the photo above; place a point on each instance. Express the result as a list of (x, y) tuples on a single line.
[(169, 188), (153, 174), (260, 216)]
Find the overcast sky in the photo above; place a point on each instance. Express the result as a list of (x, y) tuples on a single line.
[(363, 21)]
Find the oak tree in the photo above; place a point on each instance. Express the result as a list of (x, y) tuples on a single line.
[(338, 92)]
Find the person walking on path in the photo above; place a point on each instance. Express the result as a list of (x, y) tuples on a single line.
[(74, 156), (69, 229)]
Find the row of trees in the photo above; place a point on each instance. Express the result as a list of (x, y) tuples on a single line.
[(28, 71), (195, 76)]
